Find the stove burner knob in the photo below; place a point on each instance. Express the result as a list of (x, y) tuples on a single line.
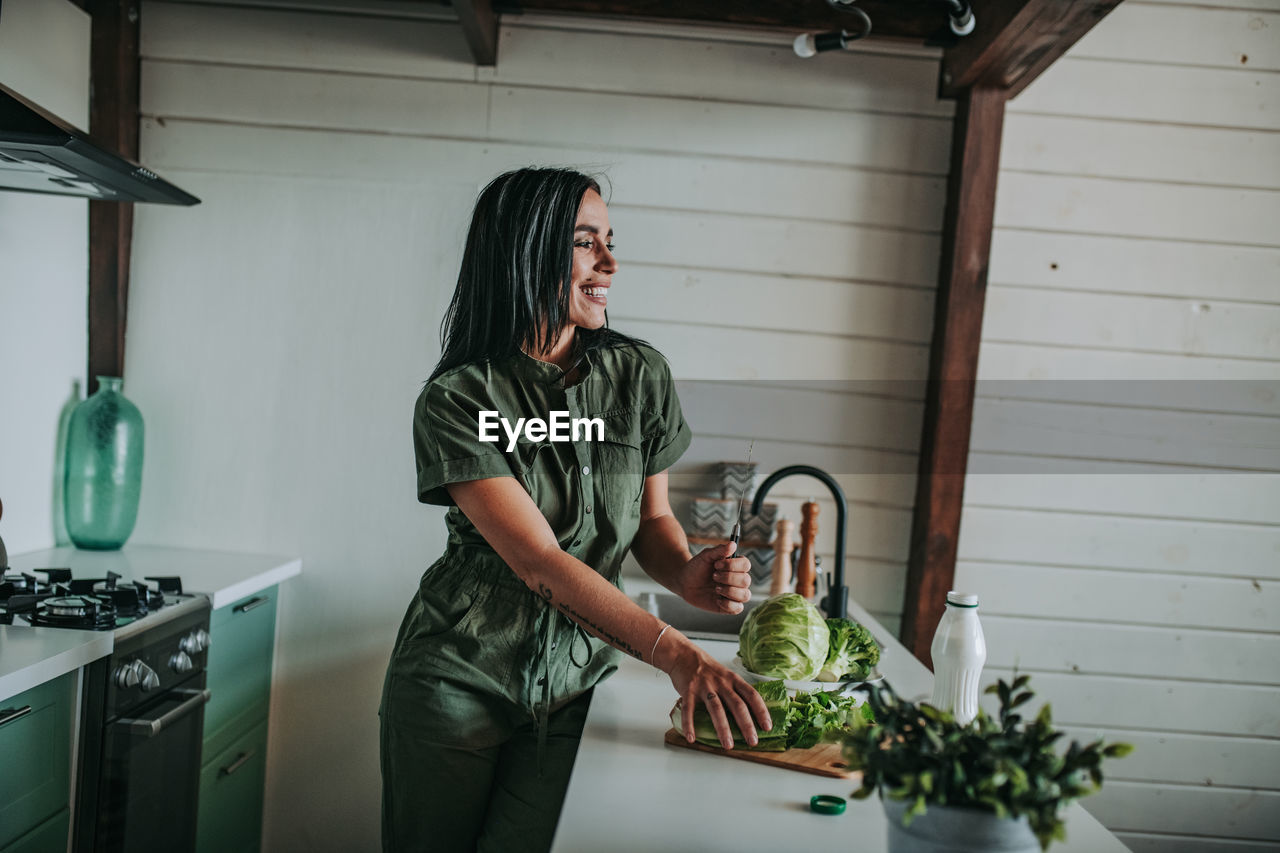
[(126, 675), (195, 642), (180, 662), (147, 675)]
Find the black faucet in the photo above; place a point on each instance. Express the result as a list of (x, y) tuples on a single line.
[(834, 603)]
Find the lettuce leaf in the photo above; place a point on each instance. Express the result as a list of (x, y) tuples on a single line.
[(851, 652)]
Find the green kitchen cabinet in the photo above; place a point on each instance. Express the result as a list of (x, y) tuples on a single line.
[(35, 766), (231, 794), (233, 762), (48, 837)]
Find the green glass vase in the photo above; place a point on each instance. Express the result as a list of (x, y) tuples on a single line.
[(103, 468)]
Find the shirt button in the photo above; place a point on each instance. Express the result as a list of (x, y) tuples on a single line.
[(588, 510), (576, 543), (586, 470)]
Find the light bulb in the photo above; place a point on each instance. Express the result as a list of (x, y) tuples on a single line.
[(811, 44)]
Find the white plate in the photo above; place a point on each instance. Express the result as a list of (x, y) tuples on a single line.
[(807, 686)]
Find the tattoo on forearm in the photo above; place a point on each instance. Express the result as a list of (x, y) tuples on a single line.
[(610, 638), (617, 642)]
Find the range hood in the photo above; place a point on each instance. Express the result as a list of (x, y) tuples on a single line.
[(40, 153)]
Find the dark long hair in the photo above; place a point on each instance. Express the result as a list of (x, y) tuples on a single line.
[(514, 282)]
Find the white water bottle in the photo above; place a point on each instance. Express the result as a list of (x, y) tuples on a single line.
[(959, 651)]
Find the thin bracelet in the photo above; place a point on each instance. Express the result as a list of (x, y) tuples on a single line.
[(655, 642)]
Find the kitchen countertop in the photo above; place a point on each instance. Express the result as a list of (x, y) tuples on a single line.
[(31, 656), (224, 576), (631, 792)]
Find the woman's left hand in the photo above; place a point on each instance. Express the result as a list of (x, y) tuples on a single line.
[(716, 581)]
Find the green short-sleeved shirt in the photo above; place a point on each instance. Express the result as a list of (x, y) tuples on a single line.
[(473, 620)]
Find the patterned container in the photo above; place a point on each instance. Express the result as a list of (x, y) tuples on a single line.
[(712, 517), (737, 480), (761, 565), (759, 528)]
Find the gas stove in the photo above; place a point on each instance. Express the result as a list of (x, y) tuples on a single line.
[(53, 598)]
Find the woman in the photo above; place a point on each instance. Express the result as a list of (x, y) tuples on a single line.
[(491, 673)]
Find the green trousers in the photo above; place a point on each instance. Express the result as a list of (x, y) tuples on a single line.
[(479, 787)]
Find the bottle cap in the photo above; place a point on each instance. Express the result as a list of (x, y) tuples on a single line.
[(962, 599), (826, 804)]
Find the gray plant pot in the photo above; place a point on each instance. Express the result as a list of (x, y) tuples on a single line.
[(950, 829)]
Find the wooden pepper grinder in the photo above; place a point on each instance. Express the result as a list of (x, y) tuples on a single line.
[(807, 570), (783, 545)]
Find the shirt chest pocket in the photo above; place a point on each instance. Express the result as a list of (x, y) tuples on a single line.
[(619, 462)]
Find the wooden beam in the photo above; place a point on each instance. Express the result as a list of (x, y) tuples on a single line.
[(113, 122), (1014, 41), (480, 26), (953, 363), (890, 19)]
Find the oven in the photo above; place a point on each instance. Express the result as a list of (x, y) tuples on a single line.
[(152, 728)]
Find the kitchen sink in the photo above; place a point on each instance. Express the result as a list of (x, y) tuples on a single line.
[(692, 622)]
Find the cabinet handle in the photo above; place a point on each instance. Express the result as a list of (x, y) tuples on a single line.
[(8, 715), (256, 601), (240, 761)]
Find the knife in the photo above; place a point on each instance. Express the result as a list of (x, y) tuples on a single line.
[(736, 536)]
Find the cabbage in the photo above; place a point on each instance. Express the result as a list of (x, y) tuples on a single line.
[(784, 637), (775, 698)]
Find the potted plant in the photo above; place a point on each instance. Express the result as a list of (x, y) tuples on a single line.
[(994, 784)]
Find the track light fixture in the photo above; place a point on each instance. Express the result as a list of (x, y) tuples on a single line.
[(811, 44), (961, 16), (959, 13)]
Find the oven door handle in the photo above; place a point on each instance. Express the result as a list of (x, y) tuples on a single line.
[(151, 728)]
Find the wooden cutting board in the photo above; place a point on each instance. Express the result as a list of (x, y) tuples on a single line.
[(823, 760)]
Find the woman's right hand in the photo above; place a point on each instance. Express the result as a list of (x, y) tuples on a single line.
[(698, 677)]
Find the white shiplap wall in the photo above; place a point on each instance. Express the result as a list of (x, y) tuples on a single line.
[(1124, 528), (777, 221), (44, 278)]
